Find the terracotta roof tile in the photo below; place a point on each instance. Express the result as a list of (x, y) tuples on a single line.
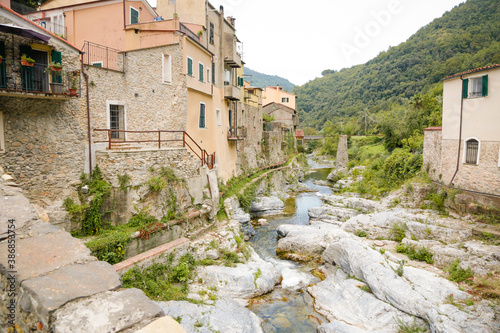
[(473, 71)]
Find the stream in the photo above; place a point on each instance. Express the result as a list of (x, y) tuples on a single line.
[(284, 310)]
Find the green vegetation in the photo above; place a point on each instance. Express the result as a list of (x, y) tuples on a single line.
[(162, 282), (464, 38), (256, 275), (398, 231), (360, 233), (436, 201), (263, 80), (421, 253), (458, 274), (413, 327), (366, 288), (268, 117), (400, 269)]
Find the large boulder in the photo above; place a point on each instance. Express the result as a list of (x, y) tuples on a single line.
[(264, 206)]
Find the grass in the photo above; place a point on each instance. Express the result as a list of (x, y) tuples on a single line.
[(458, 274), (398, 231), (413, 327), (360, 233), (421, 253)]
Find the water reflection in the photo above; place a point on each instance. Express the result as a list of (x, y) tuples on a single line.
[(282, 310)]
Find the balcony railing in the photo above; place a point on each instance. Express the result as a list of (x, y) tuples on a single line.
[(57, 29), (189, 33), (37, 79), (174, 139), (236, 133), (102, 56)]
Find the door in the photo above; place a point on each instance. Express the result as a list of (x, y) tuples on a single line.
[(40, 76), (117, 121)]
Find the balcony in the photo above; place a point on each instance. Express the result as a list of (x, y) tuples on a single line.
[(232, 92), (102, 56), (236, 133), (231, 55), (37, 81)]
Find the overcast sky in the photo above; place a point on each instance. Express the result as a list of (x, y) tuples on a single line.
[(299, 39)]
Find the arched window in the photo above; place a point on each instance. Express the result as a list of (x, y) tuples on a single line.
[(472, 151)]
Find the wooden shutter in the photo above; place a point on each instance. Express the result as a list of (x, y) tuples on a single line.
[(3, 72), (190, 67), (56, 58), (134, 16), (485, 85), (201, 72), (465, 88), (202, 116), (213, 72)]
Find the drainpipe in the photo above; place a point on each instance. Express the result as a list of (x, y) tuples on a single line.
[(459, 131), (86, 77), (124, 15)]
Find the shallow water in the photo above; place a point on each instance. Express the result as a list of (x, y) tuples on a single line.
[(283, 310)]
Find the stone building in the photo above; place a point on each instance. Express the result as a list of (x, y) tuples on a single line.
[(41, 120), (283, 114), (465, 152)]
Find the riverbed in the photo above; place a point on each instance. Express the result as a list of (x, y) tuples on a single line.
[(290, 310)]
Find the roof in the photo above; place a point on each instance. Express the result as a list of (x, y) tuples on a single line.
[(39, 28), (437, 128), (472, 71), (280, 106), (52, 4), (299, 133)]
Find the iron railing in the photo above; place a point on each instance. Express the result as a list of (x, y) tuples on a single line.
[(38, 79), (189, 33), (57, 29), (102, 56), (182, 138)]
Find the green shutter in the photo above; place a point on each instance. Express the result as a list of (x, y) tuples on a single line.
[(2, 48), (134, 16), (213, 72), (190, 67), (201, 72), (202, 116), (3, 72), (485, 85), (56, 58), (26, 72), (465, 88)]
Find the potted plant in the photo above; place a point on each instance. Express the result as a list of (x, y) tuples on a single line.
[(27, 61), (73, 78), (55, 67)]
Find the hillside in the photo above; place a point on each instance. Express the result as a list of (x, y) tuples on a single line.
[(261, 80), (464, 38)]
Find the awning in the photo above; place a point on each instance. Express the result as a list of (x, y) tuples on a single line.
[(24, 32)]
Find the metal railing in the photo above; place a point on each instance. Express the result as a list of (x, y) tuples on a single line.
[(189, 33), (158, 137), (57, 29), (102, 56), (38, 79)]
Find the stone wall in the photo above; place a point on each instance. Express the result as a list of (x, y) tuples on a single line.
[(273, 149), (432, 153), (44, 135), (342, 156), (249, 150), (484, 177)]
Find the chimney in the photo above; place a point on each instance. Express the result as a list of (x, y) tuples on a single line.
[(5, 3), (231, 20), (221, 9)]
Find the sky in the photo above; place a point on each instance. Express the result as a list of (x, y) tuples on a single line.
[(297, 40)]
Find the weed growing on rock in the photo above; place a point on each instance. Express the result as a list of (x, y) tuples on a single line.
[(413, 327), (398, 231), (360, 233), (458, 274), (400, 269), (230, 258), (256, 275), (366, 288), (123, 181), (421, 253)]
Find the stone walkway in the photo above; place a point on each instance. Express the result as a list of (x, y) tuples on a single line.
[(55, 285)]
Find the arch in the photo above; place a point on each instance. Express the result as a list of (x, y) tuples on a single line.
[(472, 151)]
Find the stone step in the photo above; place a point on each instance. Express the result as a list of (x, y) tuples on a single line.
[(482, 231)]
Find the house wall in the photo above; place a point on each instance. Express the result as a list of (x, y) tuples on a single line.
[(44, 137), (432, 153), (190, 11), (275, 94), (481, 117)]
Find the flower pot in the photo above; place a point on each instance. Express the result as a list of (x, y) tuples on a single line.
[(56, 88), (27, 63), (55, 69), (72, 91)]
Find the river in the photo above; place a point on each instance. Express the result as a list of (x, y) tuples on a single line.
[(283, 310)]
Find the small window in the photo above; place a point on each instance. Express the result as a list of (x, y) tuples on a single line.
[(472, 151), (202, 69), (97, 63), (285, 100), (208, 75), (213, 72), (219, 119), (134, 15), (211, 33), (202, 123), (2, 138), (117, 121), (189, 66), (475, 87), (167, 68)]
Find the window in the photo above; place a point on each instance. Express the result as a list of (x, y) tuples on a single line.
[(471, 155), (97, 63), (208, 75), (201, 69), (202, 123), (475, 87), (2, 138), (167, 68), (285, 100), (211, 33), (227, 77), (117, 120), (190, 66), (219, 120), (134, 15), (213, 72)]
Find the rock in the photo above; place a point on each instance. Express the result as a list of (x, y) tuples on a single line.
[(106, 312), (212, 254), (292, 277), (164, 324), (7, 177), (330, 214), (416, 292), (379, 243), (335, 175), (363, 205), (225, 315), (341, 300), (43, 295), (14, 206), (281, 322), (263, 206), (262, 222), (243, 281)]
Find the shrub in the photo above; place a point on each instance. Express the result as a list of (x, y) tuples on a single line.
[(421, 253), (360, 233), (398, 231), (414, 327), (402, 165), (457, 273)]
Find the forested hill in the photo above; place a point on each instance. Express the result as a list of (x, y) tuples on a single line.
[(464, 38), (261, 80)]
